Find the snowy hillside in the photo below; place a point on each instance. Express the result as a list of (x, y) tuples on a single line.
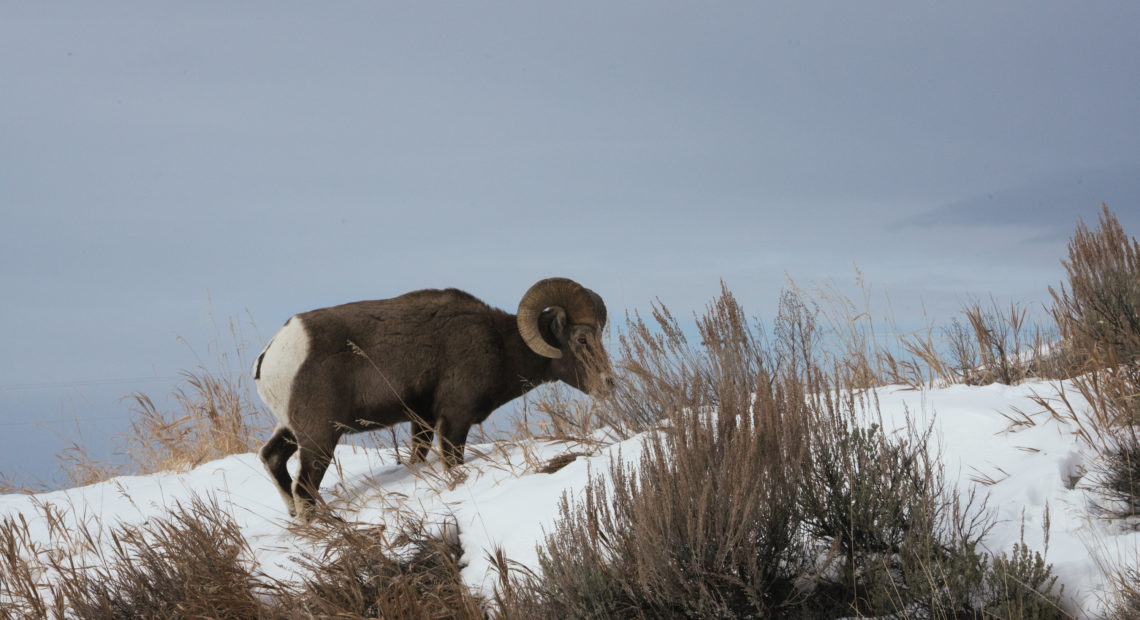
[(499, 499)]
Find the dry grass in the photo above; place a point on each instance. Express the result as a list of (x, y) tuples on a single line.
[(8, 485), (759, 496), (212, 413), (195, 563), (1098, 311), (1127, 603), (192, 564), (986, 344), (371, 573), (760, 493)]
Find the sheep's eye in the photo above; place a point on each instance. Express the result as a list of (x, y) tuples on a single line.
[(581, 340)]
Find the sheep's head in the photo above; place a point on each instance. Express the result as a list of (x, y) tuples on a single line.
[(563, 320)]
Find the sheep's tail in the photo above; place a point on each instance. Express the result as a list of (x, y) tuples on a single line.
[(260, 358)]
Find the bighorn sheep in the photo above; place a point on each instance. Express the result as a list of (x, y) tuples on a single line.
[(440, 359)]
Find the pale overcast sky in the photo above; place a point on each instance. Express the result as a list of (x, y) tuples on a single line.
[(162, 160)]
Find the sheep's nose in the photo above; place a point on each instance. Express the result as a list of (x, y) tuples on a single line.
[(607, 382)]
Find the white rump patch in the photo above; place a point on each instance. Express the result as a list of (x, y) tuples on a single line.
[(280, 362)]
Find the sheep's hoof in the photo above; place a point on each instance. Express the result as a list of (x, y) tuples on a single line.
[(308, 513)]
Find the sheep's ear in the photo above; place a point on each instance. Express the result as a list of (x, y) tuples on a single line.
[(558, 324)]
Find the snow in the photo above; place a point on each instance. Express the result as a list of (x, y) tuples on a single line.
[(498, 498)]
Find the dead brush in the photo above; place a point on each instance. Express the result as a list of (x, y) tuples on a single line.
[(927, 365), (375, 573), (191, 563), (214, 413), (861, 342), (1005, 347), (756, 470), (21, 486), (23, 591), (38, 551), (1126, 605), (213, 416), (562, 415), (81, 469), (988, 343), (1098, 311), (865, 348), (704, 525)]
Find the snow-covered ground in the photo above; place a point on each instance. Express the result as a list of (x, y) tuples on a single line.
[(500, 499)]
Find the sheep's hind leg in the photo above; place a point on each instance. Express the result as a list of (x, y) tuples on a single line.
[(275, 455), (316, 454), (423, 432)]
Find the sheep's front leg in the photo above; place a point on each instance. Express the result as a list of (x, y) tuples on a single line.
[(422, 435), (453, 438)]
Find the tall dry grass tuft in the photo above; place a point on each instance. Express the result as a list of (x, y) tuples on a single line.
[(760, 495), (191, 563), (370, 573), (1127, 603), (999, 344), (1098, 312), (194, 562), (21, 573), (213, 415), (985, 344), (662, 372), (213, 412), (81, 469)]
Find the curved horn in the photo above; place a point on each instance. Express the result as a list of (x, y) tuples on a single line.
[(599, 308), (564, 293)]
